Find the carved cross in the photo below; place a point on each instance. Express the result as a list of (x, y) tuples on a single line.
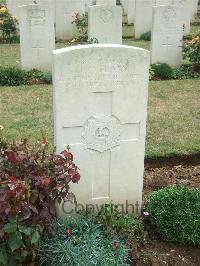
[(101, 134)]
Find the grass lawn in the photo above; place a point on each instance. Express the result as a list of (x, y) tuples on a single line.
[(173, 115)]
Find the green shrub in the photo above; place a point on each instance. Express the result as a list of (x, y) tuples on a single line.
[(146, 36), (11, 76), (185, 72), (191, 49), (175, 213), (81, 23), (80, 241), (162, 71), (8, 26)]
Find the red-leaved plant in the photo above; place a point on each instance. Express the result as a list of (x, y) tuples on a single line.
[(31, 182)]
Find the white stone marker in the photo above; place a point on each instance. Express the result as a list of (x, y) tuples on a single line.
[(65, 12), (37, 37), (105, 24), (13, 5), (143, 16), (186, 7), (131, 11), (100, 109), (167, 34), (88, 3), (164, 2), (106, 2)]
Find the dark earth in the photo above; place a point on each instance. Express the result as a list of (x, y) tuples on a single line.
[(160, 173)]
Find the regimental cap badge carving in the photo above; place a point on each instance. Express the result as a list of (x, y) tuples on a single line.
[(105, 15), (102, 133)]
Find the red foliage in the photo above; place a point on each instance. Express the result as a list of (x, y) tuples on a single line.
[(32, 182)]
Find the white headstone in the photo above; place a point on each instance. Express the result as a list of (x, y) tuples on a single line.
[(100, 109), (106, 2), (143, 16), (37, 37), (65, 14), (13, 5), (186, 7), (125, 6), (164, 2), (105, 24), (131, 11), (88, 3), (167, 34)]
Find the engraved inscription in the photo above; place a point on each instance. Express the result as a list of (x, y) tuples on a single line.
[(105, 15), (169, 14), (36, 17), (102, 133)]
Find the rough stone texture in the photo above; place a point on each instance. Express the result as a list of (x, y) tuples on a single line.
[(143, 16), (167, 34), (37, 37), (131, 11), (106, 2), (105, 24), (100, 109), (65, 10)]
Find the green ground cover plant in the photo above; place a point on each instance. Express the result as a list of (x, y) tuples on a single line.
[(175, 213), (81, 241)]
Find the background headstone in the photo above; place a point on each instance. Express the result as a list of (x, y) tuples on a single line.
[(106, 2), (100, 109), (37, 37), (105, 24), (186, 7), (65, 12), (143, 16), (131, 11), (13, 5), (167, 34), (164, 2)]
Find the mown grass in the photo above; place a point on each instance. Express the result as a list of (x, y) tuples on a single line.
[(173, 115)]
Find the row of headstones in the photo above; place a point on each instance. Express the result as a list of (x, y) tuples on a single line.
[(37, 36), (63, 12), (138, 11)]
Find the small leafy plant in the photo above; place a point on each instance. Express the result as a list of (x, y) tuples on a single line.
[(81, 241), (175, 213), (31, 182), (162, 71), (12, 76), (81, 23), (146, 36), (128, 225), (191, 50)]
